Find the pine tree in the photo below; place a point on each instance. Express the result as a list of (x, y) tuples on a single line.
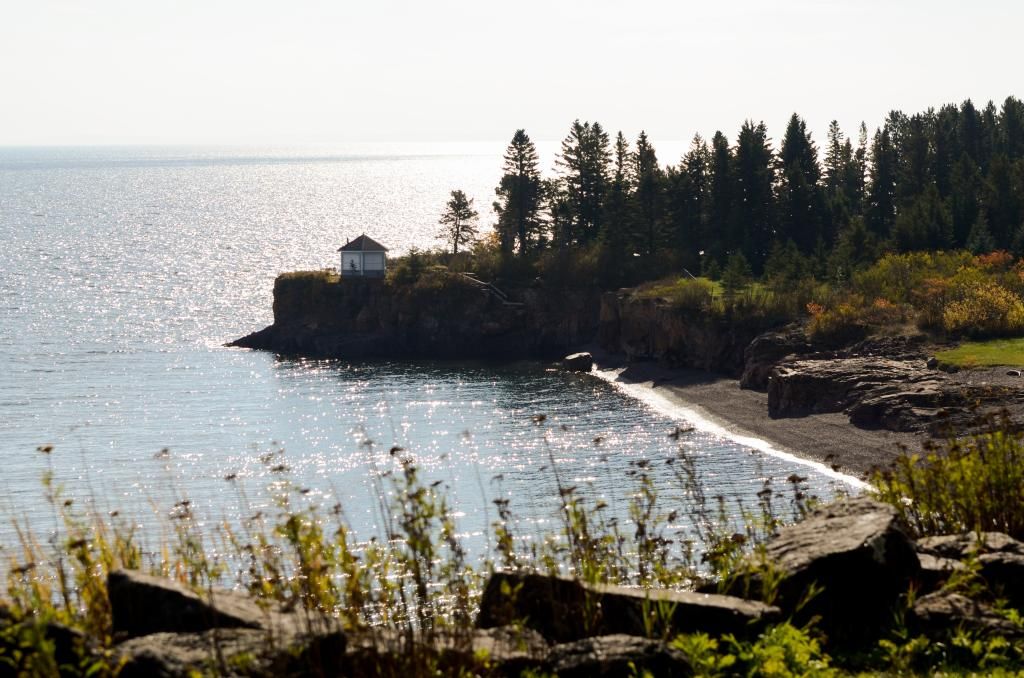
[(720, 202), (835, 167), (647, 200), (914, 160), (583, 166), (615, 228), (688, 188), (980, 240), (458, 221), (1011, 128), (519, 196), (753, 201), (881, 194), (800, 200), (924, 224), (735, 277)]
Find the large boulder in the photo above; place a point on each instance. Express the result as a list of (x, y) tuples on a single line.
[(847, 563), (142, 604), (564, 610), (615, 656), (578, 362)]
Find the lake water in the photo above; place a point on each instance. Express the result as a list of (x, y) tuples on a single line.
[(124, 270)]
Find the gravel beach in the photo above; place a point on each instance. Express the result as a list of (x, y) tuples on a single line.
[(827, 438)]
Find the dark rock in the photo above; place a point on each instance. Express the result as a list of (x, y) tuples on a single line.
[(142, 604), (765, 351), (1000, 559), (171, 655), (967, 544), (936, 570), (1004, 574), (856, 552), (1013, 373), (943, 612), (564, 610), (615, 656), (578, 362), (504, 651), (932, 363)]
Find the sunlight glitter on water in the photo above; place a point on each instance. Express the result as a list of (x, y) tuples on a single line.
[(124, 271)]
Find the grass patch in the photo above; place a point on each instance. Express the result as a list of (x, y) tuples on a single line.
[(985, 353)]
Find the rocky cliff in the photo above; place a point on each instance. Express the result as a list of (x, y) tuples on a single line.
[(654, 329), (442, 316)]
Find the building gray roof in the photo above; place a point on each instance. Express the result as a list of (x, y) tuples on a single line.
[(363, 243)]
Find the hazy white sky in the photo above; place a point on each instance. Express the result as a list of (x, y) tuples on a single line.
[(314, 71)]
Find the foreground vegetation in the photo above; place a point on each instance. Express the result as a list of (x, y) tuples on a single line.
[(304, 555)]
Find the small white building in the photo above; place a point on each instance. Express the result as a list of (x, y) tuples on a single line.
[(363, 257)]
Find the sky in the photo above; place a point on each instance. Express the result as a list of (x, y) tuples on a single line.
[(260, 72)]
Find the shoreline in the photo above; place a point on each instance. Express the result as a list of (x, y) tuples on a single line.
[(826, 440)]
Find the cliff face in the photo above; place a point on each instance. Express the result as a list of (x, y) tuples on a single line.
[(653, 329), (444, 317)]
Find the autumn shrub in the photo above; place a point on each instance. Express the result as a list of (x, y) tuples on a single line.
[(899, 277), (984, 310), (843, 323)]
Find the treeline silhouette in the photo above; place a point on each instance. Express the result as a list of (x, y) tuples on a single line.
[(940, 179)]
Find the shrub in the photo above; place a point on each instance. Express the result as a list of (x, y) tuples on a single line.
[(975, 484), (984, 309), (842, 324)]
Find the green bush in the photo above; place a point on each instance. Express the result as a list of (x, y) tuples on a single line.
[(975, 484)]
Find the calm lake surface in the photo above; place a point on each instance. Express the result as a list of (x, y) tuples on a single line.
[(124, 270)]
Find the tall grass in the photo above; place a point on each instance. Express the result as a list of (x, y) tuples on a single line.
[(416, 576), (974, 484)]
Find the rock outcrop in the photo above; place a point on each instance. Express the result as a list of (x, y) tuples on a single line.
[(653, 329), (454, 318), (877, 392)]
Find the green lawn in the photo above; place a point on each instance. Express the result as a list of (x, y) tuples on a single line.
[(985, 353)]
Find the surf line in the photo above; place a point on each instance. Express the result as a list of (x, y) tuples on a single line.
[(705, 423)]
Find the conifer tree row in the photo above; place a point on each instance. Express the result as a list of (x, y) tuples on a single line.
[(946, 178)]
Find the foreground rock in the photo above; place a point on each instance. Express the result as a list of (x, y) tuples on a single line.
[(998, 557), (847, 563), (142, 604), (615, 656), (502, 651), (942, 612), (565, 610)]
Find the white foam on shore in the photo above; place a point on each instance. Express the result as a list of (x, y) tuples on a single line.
[(695, 416)]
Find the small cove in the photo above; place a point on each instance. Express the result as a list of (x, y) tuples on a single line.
[(125, 271)]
